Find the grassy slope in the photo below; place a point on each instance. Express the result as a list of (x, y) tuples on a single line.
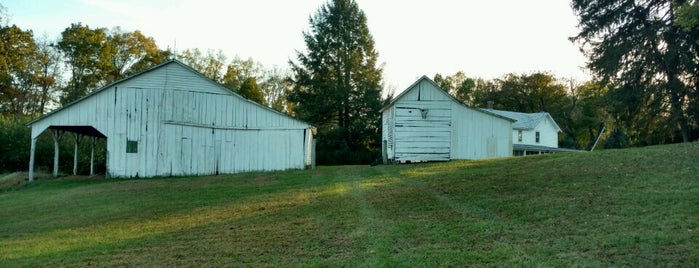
[(635, 207)]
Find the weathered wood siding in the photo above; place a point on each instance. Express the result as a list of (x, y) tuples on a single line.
[(426, 124), (185, 124), (422, 125)]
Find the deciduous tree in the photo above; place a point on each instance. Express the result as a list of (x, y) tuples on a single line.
[(87, 56)]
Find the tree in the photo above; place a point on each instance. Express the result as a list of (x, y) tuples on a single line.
[(647, 52), (17, 48), (47, 74), (468, 90), (273, 87), (250, 90), (126, 49), (239, 70), (87, 58), (210, 65), (337, 84), (530, 93)]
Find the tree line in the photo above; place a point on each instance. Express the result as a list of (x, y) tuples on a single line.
[(644, 57)]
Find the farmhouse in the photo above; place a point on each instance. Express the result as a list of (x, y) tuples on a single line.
[(532, 133), (425, 123), (170, 120)]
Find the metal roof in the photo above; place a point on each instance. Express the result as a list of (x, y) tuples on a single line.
[(525, 121)]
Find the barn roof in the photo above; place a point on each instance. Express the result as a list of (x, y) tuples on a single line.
[(172, 61), (525, 121), (428, 80)]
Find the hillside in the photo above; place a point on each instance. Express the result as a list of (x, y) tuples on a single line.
[(633, 207)]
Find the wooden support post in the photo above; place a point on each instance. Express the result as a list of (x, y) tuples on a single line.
[(92, 155), (77, 137), (32, 149), (313, 154), (56, 134)]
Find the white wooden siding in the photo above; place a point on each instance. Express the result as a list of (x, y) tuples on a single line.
[(185, 125), (450, 130), (477, 135), (547, 131), (422, 139)]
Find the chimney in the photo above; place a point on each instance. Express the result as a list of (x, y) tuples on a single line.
[(490, 105)]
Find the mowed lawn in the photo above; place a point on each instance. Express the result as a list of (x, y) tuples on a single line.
[(635, 207)]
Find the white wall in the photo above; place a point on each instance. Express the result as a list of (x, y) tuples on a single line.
[(477, 135), (185, 125), (449, 131), (547, 131)]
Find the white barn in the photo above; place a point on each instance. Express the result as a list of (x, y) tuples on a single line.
[(425, 123), (533, 133), (170, 120)]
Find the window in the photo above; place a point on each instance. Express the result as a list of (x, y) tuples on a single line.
[(131, 147), (538, 137), (519, 136)]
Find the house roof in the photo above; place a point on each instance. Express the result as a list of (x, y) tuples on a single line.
[(525, 121), (172, 61), (427, 79)]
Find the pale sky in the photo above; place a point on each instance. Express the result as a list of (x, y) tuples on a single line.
[(483, 38)]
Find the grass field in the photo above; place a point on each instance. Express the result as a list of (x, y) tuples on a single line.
[(636, 207)]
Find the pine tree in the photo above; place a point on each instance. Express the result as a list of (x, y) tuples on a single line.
[(337, 84)]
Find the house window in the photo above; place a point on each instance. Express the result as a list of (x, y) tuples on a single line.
[(538, 137), (519, 136), (131, 147)]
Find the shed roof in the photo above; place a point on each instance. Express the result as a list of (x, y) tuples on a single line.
[(428, 80), (525, 121)]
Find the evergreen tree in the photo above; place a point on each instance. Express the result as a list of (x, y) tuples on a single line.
[(337, 84), (647, 51)]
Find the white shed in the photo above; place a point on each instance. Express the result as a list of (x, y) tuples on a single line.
[(533, 133), (170, 120), (425, 123)]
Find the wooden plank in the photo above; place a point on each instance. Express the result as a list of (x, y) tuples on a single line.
[(425, 150)]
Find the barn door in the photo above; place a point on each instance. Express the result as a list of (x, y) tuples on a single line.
[(423, 131), (186, 156)]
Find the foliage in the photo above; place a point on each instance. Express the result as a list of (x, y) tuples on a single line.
[(85, 51), (337, 83), (580, 110), (269, 91), (15, 143), (250, 90), (209, 64), (617, 139), (632, 208), (130, 53), (647, 52)]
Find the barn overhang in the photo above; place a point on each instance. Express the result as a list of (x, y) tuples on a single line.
[(56, 133), (82, 130)]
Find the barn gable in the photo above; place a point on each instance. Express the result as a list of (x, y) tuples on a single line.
[(424, 123), (171, 120)]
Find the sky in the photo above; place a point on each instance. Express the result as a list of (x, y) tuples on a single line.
[(482, 38)]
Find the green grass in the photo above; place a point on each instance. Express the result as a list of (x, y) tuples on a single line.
[(634, 207)]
